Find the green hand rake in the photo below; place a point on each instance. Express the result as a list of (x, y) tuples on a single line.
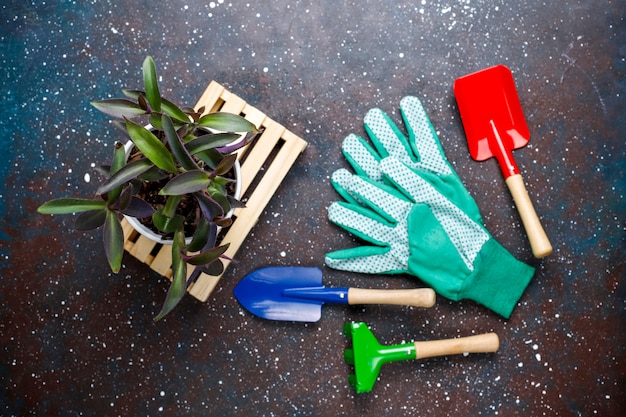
[(368, 356)]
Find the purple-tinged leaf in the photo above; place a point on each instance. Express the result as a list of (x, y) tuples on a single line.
[(155, 120), (177, 147), (150, 146), (235, 203), (226, 122), (209, 207), (70, 205), (123, 199), (90, 220), (200, 237), (208, 256), (211, 157), (210, 141), (127, 173), (187, 182), (167, 224), (119, 108), (119, 160), (134, 94), (224, 222), (226, 164), (215, 268), (221, 200), (174, 111), (234, 146), (151, 84), (143, 103), (178, 287), (138, 208), (113, 237), (153, 174)]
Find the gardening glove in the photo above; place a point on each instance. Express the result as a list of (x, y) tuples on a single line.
[(421, 220), (421, 151)]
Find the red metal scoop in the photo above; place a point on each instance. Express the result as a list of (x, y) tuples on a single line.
[(494, 125)]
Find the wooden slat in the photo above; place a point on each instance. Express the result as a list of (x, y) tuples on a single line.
[(257, 162), (142, 248), (260, 152)]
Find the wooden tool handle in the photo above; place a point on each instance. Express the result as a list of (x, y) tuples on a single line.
[(418, 297), (539, 241), (484, 343)]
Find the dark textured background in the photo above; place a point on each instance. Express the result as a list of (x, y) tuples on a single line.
[(78, 340)]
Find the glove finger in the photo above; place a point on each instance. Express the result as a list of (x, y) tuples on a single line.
[(361, 222), (340, 181), (387, 138), (381, 198), (423, 138), (365, 259), (467, 236), (362, 157)]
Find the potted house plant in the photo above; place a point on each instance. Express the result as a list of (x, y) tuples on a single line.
[(174, 177)]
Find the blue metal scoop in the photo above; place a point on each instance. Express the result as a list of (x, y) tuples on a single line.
[(296, 293)]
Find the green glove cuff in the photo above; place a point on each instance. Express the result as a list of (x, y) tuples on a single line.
[(500, 282)]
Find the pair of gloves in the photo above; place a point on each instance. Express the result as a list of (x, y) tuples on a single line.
[(405, 199)]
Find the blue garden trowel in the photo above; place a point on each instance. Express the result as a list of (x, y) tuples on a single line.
[(296, 293)]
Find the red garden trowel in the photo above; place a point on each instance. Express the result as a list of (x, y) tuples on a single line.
[(368, 356), (494, 125), (296, 293)]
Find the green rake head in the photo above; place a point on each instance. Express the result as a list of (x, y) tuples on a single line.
[(368, 356)]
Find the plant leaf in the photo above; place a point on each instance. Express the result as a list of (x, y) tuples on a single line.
[(221, 199), (153, 174), (215, 268), (150, 146), (113, 236), (176, 145), (226, 122), (123, 200), (210, 208), (178, 288), (119, 108), (70, 205), (200, 237), (174, 111), (119, 160), (226, 164), (211, 157), (234, 146), (138, 208), (134, 94), (155, 120), (235, 203), (224, 222), (167, 224), (208, 256), (210, 141), (187, 182), (151, 85), (90, 220), (127, 173)]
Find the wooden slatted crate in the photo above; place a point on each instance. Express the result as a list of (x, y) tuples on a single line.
[(264, 165)]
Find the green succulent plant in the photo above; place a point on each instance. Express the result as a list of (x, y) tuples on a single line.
[(185, 157)]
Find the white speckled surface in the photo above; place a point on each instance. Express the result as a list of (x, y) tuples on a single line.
[(78, 340)]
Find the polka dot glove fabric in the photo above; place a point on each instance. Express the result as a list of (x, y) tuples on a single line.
[(407, 203), (421, 151)]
